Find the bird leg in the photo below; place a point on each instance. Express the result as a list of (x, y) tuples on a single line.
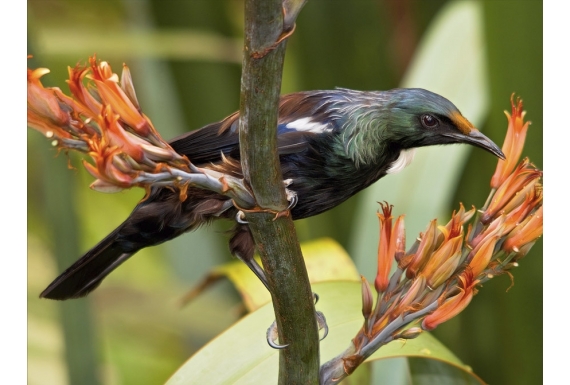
[(243, 247), (272, 333), (255, 268)]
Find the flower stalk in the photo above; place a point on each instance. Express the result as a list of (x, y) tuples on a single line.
[(439, 275)]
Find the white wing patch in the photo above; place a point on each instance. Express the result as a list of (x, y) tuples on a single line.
[(405, 158), (305, 124)]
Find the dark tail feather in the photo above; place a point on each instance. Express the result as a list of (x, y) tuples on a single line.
[(155, 220), (87, 273)]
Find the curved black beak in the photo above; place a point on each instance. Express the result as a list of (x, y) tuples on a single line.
[(476, 138)]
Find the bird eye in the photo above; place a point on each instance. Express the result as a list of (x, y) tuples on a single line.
[(429, 121)]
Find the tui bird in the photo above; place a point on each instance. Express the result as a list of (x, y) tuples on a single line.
[(331, 144)]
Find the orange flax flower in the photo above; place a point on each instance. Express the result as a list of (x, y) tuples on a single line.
[(42, 101), (526, 232), (92, 106), (514, 142), (523, 176), (425, 249), (497, 227), (386, 248), (399, 239), (128, 86), (455, 225), (111, 93), (533, 199), (454, 305), (530, 196), (411, 296), (443, 262), (103, 119), (122, 139), (482, 255), (45, 112)]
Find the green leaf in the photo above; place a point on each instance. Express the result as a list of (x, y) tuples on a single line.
[(241, 355)]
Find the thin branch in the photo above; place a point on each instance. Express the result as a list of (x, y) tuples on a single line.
[(275, 236)]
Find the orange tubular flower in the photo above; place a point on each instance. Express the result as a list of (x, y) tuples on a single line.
[(443, 262), (83, 97), (44, 109), (526, 232), (454, 305), (111, 93), (529, 197), (386, 248), (103, 119), (411, 296), (122, 139), (455, 225), (482, 255), (533, 199), (514, 142), (497, 227), (399, 239), (42, 101), (425, 249), (524, 176)]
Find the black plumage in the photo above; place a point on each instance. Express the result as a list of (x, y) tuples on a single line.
[(332, 144)]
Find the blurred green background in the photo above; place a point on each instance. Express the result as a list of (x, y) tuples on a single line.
[(185, 58)]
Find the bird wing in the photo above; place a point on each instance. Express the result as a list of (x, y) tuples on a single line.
[(206, 145), (301, 118)]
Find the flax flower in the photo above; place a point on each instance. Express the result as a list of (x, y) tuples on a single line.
[(440, 274), (104, 120), (514, 142)]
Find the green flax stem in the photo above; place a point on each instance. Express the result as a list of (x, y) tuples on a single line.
[(275, 237)]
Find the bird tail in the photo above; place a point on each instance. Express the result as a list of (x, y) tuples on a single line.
[(87, 273), (157, 219)]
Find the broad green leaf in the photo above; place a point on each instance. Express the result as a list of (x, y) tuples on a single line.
[(241, 355), (429, 372), (325, 259)]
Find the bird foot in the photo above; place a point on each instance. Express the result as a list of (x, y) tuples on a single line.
[(292, 198), (273, 335), (240, 218)]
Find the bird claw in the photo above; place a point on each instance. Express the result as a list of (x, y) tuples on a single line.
[(240, 218), (322, 324), (292, 198), (272, 336), (321, 320)]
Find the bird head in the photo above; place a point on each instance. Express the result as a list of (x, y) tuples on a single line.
[(422, 118)]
